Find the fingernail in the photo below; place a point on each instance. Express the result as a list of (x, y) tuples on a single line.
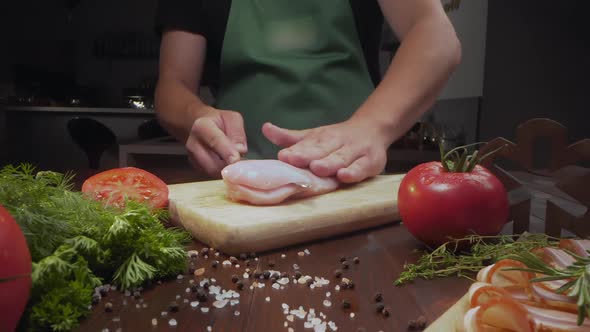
[(240, 146), (233, 158)]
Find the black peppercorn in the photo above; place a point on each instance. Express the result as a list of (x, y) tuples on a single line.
[(351, 284), (108, 307), (201, 295), (247, 262), (194, 288), (257, 274), (421, 322), (338, 273), (206, 285), (204, 251), (412, 325), (103, 291), (136, 295), (309, 282), (191, 270), (233, 260), (173, 306), (345, 304), (240, 284), (271, 264), (378, 297), (379, 306), (95, 299), (243, 256), (345, 265), (356, 260), (273, 279), (266, 274), (235, 278), (342, 259), (214, 263), (297, 274), (386, 311)]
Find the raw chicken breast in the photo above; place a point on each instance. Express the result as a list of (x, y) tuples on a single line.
[(269, 181)]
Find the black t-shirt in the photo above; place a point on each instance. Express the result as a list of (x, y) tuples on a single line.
[(209, 19)]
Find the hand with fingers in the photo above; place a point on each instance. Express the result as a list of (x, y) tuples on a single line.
[(217, 139), (351, 151)]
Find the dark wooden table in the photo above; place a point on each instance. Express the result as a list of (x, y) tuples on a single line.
[(382, 253)]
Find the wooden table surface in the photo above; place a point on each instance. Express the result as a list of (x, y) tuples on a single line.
[(381, 251)]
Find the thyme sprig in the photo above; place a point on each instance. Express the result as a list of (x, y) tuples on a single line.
[(451, 259)]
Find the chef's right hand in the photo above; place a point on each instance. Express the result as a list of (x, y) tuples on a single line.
[(217, 139)]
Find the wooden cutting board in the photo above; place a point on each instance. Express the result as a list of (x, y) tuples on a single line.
[(203, 209), (452, 319)]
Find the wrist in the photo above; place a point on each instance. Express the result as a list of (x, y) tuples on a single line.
[(384, 124)]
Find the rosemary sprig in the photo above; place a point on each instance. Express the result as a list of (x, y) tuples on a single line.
[(577, 276), (450, 259)]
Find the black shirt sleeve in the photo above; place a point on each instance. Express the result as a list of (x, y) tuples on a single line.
[(186, 15)]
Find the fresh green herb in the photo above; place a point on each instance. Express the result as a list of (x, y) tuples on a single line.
[(450, 259), (77, 243), (577, 276)]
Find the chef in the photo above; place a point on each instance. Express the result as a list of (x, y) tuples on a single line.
[(299, 80)]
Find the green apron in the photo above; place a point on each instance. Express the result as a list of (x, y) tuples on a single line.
[(297, 64)]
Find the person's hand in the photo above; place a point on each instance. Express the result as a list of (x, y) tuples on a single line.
[(351, 150), (217, 138)]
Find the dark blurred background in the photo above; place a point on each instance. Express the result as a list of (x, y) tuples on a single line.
[(72, 59)]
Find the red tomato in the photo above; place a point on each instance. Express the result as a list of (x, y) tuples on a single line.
[(435, 204), (15, 272), (114, 185)]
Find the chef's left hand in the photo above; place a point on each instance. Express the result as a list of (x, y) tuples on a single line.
[(350, 150)]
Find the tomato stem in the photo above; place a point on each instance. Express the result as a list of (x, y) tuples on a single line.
[(454, 161)]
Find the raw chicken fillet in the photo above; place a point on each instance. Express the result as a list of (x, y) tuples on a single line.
[(269, 182)]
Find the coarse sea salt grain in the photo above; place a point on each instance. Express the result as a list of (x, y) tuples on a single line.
[(194, 304), (154, 321), (267, 299), (205, 309), (332, 325), (164, 313), (306, 251), (180, 277), (295, 267), (352, 315), (236, 313), (290, 318), (234, 302), (276, 286), (327, 303), (290, 330), (187, 290), (246, 275), (220, 304), (226, 263), (172, 322), (283, 256), (307, 325), (337, 288), (283, 281), (209, 328), (185, 301), (285, 324)]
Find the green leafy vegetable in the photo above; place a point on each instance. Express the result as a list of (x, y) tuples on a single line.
[(450, 260), (77, 243)]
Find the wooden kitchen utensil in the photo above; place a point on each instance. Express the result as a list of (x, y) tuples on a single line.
[(203, 209)]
